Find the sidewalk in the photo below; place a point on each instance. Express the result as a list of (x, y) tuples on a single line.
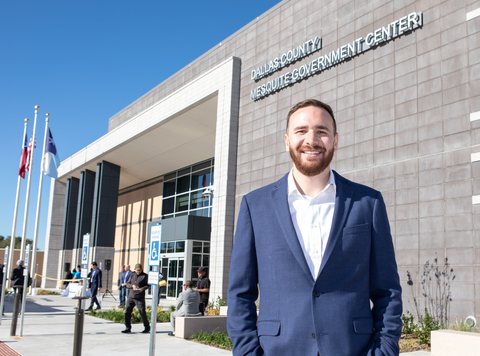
[(49, 325)]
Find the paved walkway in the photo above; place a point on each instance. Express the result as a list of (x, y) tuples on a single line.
[(49, 325)]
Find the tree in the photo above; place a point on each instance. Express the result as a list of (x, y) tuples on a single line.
[(18, 242)]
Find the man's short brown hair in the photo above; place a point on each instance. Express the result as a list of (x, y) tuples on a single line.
[(189, 284), (316, 103)]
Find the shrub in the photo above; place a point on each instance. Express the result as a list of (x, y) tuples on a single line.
[(426, 324), (118, 315), (409, 325), (47, 292), (217, 339)]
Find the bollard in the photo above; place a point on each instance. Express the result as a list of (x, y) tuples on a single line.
[(16, 307), (78, 333)]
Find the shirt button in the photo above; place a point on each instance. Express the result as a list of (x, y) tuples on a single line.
[(316, 293)]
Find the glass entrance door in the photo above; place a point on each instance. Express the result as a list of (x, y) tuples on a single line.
[(175, 276)]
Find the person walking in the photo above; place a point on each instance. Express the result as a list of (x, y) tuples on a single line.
[(137, 284), (95, 285)]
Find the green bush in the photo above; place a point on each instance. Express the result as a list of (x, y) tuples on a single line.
[(118, 315), (409, 325), (217, 339), (426, 324)]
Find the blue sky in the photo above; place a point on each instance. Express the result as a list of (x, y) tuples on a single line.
[(82, 62)]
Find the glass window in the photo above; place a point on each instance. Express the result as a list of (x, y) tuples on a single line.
[(180, 286), (199, 200), (206, 260), (194, 274), (180, 268), (206, 247), (183, 184), (182, 203), (177, 202), (201, 165), (196, 260), (183, 172), (167, 206), (197, 247), (168, 188), (180, 246), (201, 179), (172, 268), (163, 248), (172, 288), (170, 247), (170, 176)]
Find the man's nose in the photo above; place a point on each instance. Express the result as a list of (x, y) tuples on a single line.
[(311, 137)]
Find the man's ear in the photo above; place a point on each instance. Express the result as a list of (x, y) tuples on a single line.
[(287, 143)]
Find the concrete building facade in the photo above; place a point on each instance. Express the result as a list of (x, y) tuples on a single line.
[(403, 78)]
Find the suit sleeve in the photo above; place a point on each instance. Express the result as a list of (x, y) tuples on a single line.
[(99, 278), (385, 290), (179, 302), (243, 288)]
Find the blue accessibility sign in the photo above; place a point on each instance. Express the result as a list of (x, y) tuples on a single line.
[(154, 251)]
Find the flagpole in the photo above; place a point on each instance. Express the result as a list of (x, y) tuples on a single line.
[(15, 212), (27, 199), (39, 202)]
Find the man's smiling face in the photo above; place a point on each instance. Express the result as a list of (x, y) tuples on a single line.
[(311, 140)]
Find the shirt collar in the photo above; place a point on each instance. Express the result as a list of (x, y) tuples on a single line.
[(292, 186)]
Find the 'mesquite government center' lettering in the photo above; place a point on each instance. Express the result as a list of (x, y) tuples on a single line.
[(362, 44)]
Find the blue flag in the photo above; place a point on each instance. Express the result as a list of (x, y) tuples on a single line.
[(50, 160)]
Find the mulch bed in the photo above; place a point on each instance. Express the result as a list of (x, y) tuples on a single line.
[(410, 343)]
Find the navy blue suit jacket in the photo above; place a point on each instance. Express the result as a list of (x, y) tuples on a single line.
[(300, 315), (96, 279)]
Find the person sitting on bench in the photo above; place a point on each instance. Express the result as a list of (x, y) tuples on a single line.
[(187, 305)]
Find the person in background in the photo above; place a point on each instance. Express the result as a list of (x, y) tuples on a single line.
[(122, 287), (78, 292), (95, 285), (138, 283), (203, 287), (69, 275), (78, 273), (18, 279), (128, 273), (187, 305)]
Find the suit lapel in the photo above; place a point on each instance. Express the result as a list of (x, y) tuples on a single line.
[(280, 200), (343, 201)]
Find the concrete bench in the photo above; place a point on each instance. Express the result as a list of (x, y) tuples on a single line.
[(186, 326), (454, 343)]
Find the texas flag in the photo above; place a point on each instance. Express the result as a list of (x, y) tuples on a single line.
[(50, 160), (23, 160)]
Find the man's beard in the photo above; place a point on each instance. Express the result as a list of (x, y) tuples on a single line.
[(315, 166)]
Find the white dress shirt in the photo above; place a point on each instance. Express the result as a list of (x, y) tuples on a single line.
[(312, 219)]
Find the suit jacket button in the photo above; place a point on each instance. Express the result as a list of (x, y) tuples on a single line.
[(313, 335), (316, 293)]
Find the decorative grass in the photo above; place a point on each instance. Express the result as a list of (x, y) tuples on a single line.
[(46, 292), (118, 315), (216, 339)]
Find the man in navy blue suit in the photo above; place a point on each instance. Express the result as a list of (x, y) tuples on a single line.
[(95, 284), (317, 249)]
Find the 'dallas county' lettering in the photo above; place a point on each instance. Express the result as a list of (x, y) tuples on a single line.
[(285, 59), (381, 35)]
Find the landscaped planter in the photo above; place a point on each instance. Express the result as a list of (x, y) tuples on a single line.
[(455, 343)]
